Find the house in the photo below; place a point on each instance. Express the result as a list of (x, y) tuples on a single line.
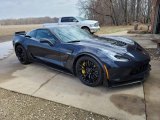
[(155, 18)]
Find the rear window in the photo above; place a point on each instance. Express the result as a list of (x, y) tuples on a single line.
[(32, 34)]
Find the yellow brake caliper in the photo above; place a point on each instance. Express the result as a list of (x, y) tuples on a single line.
[(83, 68)]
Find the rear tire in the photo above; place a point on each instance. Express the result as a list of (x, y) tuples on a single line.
[(22, 55), (89, 71)]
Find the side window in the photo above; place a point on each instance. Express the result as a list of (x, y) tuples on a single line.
[(65, 19), (45, 34), (32, 34), (68, 19), (72, 19)]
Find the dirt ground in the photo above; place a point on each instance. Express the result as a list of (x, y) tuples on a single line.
[(153, 54), (113, 29), (5, 38), (15, 106), (9, 30)]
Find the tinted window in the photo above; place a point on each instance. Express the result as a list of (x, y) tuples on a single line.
[(68, 34), (68, 19), (32, 34), (45, 34)]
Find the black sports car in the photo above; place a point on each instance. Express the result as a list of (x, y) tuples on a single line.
[(95, 60)]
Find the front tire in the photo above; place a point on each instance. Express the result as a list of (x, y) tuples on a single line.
[(22, 55), (86, 29), (89, 71)]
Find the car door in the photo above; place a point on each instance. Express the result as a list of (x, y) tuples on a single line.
[(43, 50)]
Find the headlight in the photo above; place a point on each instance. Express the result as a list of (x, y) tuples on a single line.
[(121, 58), (96, 24), (115, 56), (92, 25), (118, 57)]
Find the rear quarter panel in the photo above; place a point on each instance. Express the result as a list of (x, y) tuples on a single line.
[(18, 39)]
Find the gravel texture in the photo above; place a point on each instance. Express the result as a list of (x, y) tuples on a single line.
[(153, 53), (15, 106)]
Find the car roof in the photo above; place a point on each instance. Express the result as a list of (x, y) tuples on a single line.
[(51, 27), (68, 16), (58, 26)]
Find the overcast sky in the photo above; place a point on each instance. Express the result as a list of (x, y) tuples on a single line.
[(37, 8)]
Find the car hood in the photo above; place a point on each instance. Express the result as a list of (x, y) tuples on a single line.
[(114, 44), (89, 21)]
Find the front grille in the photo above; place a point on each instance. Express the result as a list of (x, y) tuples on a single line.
[(139, 69)]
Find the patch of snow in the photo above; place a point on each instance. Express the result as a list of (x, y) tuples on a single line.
[(6, 48)]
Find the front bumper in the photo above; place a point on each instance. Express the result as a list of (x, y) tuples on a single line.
[(94, 29), (129, 75)]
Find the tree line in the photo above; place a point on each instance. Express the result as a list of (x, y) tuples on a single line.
[(117, 12), (25, 21)]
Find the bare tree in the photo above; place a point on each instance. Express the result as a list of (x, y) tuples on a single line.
[(117, 11), (100, 10), (23, 21), (149, 11), (133, 10), (138, 10)]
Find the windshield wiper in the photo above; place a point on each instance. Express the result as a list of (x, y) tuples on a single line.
[(74, 41)]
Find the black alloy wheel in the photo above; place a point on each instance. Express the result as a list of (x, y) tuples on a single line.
[(89, 71), (22, 55)]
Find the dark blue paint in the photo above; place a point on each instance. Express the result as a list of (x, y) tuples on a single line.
[(65, 55)]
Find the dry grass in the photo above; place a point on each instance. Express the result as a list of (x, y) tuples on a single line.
[(11, 29), (113, 29), (142, 29)]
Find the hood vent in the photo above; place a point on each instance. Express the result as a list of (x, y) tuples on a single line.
[(119, 43), (113, 42)]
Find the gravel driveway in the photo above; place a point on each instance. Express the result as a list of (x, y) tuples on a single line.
[(15, 106)]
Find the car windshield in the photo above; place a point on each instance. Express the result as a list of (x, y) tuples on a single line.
[(80, 19), (71, 34)]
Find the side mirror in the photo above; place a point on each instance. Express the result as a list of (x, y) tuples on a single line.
[(27, 36), (43, 40)]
